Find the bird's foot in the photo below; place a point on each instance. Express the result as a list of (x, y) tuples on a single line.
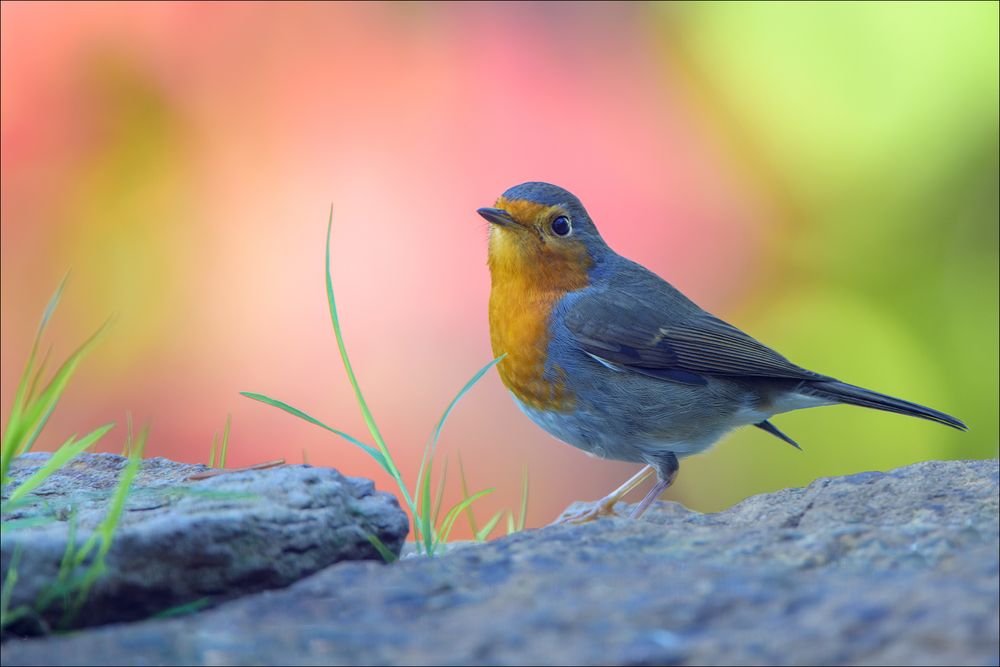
[(605, 507)]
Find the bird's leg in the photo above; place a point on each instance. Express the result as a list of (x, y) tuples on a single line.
[(666, 473), (606, 505)]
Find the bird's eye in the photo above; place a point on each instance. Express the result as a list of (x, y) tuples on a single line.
[(561, 226)]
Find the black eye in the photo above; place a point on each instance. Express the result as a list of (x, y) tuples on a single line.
[(561, 226)]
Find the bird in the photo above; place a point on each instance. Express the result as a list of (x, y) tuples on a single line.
[(610, 358)]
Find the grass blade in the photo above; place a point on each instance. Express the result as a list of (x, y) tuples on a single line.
[(488, 527), (183, 609), (465, 494), (374, 453), (449, 518), (425, 511), (63, 584), (16, 524), (365, 412), (524, 500), (59, 458), (225, 441), (424, 518), (10, 441), (105, 531), (38, 375), (128, 434), (430, 450), (462, 392), (51, 306), (439, 499), (31, 416), (9, 581), (29, 442), (382, 550)]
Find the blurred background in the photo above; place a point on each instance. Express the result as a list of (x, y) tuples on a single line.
[(824, 176)]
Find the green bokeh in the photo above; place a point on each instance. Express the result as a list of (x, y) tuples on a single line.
[(873, 130)]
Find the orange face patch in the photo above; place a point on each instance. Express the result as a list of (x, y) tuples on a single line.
[(527, 213), (528, 251), (531, 270)]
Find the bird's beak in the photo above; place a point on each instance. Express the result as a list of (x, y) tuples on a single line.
[(497, 216)]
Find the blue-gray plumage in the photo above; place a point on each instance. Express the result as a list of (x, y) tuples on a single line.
[(610, 358)]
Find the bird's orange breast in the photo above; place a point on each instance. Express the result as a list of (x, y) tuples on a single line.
[(528, 279)]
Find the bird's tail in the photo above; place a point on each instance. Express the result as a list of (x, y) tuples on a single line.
[(841, 392)]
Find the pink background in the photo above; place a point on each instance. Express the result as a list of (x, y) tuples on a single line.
[(824, 177)]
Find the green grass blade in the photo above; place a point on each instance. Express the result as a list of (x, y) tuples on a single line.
[(51, 306), (54, 389), (16, 524), (107, 526), (68, 561), (59, 458), (421, 469), (9, 581), (365, 412), (105, 531), (38, 375), (449, 518), (511, 527), (374, 453), (418, 527), (225, 441), (15, 615), (380, 547), (211, 452), (465, 494), (128, 434), (462, 392), (430, 450), (10, 441), (21, 395), (29, 442), (61, 587), (38, 410), (481, 535), (183, 609), (439, 497), (424, 519)]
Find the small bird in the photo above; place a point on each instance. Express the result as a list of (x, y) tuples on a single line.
[(607, 356)]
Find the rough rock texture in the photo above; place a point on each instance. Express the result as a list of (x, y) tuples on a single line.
[(873, 568), (181, 540)]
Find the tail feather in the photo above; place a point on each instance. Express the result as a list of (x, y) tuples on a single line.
[(773, 430), (841, 392)]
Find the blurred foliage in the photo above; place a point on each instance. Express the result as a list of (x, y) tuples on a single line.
[(874, 126), (829, 170)]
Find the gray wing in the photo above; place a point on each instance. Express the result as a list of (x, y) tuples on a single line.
[(664, 335)]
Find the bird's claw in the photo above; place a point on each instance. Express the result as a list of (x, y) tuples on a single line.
[(598, 510)]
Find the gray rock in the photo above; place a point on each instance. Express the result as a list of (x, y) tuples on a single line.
[(184, 541), (895, 568)]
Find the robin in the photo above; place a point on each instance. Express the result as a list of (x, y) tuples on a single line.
[(607, 356)]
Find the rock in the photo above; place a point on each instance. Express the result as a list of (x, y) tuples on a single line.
[(182, 541), (893, 568)]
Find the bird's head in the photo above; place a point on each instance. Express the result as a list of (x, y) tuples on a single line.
[(542, 233)]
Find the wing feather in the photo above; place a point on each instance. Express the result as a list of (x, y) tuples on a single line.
[(644, 336)]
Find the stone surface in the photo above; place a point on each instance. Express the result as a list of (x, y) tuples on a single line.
[(181, 541), (876, 568)]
